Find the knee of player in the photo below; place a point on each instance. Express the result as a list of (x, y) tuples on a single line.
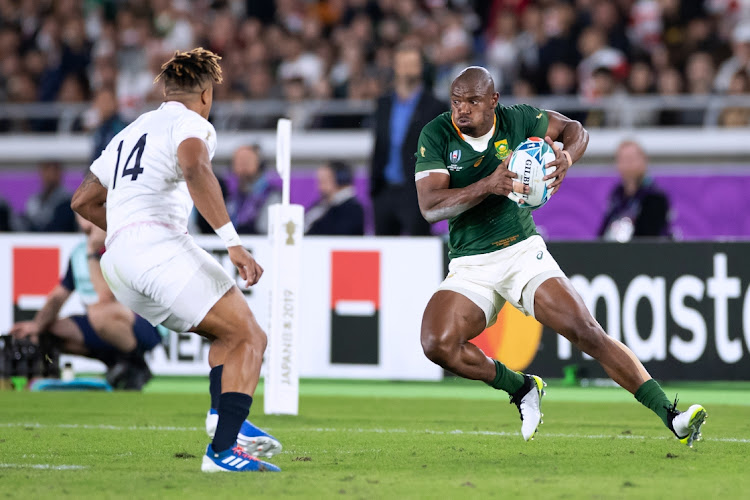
[(590, 336), (97, 316), (253, 335), (101, 314), (436, 345)]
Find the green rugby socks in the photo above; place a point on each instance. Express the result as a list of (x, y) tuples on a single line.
[(651, 395), (505, 379)]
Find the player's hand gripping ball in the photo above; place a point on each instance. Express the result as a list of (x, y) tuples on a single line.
[(530, 161)]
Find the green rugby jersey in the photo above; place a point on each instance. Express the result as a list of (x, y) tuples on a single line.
[(496, 222)]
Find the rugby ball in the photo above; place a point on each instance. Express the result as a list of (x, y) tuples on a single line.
[(529, 161)]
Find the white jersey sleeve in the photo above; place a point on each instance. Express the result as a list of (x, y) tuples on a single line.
[(193, 125), (102, 167)]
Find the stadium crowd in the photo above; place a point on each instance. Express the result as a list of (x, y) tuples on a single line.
[(69, 51), (102, 55)]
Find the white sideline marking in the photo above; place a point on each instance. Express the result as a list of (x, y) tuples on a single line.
[(361, 430), (43, 466), (106, 427)]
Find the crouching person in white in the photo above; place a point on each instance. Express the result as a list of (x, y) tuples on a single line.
[(141, 191)]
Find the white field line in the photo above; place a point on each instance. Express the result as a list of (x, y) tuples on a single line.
[(43, 466), (361, 430)]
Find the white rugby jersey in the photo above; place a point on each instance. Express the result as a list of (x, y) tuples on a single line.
[(139, 168)]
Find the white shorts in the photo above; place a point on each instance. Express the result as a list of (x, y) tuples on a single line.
[(163, 275), (512, 274)]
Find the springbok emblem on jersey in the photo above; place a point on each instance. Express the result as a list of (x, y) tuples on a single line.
[(501, 148)]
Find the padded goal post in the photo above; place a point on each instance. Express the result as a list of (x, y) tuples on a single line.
[(285, 230)]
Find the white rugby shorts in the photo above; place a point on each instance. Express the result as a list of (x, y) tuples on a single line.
[(163, 275), (511, 274)]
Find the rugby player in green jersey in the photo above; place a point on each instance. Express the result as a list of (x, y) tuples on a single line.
[(497, 254)]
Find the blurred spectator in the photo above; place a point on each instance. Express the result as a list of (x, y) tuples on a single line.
[(603, 86), (560, 43), (636, 207), (699, 77), (523, 89), (736, 116), (339, 49), (299, 62), (606, 17), (399, 118), (561, 79), (250, 192), (597, 54), (669, 83), (641, 79), (740, 59), (699, 73), (49, 210), (641, 82), (337, 212), (503, 52), (103, 120)]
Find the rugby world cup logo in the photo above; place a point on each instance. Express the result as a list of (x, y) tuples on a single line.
[(455, 156)]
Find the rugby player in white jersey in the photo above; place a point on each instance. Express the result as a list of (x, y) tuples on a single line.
[(141, 190)]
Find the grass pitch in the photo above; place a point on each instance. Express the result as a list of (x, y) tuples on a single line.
[(376, 440)]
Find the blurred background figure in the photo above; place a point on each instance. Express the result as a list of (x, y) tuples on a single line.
[(736, 116), (636, 206), (108, 332), (400, 115), (337, 212), (49, 210), (250, 191), (103, 120)]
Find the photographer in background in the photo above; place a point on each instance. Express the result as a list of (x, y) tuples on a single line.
[(108, 331)]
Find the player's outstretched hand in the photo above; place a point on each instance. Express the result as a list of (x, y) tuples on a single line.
[(502, 182), (25, 329), (249, 270), (561, 164)]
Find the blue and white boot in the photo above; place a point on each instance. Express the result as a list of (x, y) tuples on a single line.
[(255, 441), (234, 460)]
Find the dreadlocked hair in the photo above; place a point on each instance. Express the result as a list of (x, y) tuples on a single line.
[(190, 71)]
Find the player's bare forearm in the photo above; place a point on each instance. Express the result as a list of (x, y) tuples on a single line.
[(97, 280), (575, 140), (439, 202), (51, 308), (574, 137), (89, 199), (204, 188), (206, 193)]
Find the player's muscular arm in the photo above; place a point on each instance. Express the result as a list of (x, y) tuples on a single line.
[(46, 315), (437, 201), (574, 137), (89, 199), (192, 156), (575, 140)]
